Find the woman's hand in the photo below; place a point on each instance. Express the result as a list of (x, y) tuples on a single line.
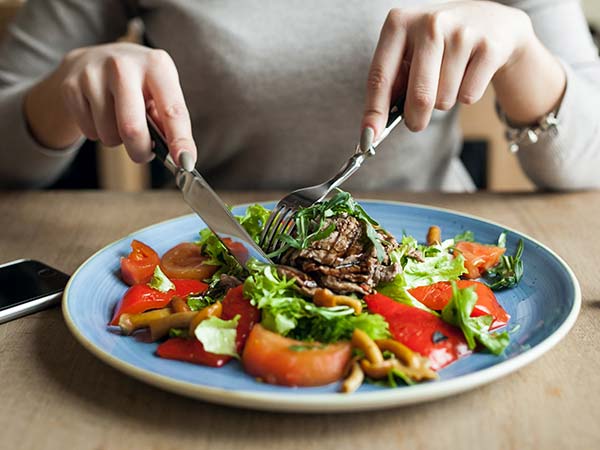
[(104, 92), (446, 53)]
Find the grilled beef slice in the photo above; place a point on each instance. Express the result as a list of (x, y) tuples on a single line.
[(346, 260)]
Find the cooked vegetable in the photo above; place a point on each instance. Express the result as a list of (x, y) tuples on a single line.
[(179, 305), (186, 261), (478, 257), (362, 342), (138, 267), (190, 350), (324, 297), (279, 360), (160, 327), (131, 322), (458, 312), (141, 297), (213, 310), (437, 296), (236, 304), (409, 363), (434, 235), (354, 379), (416, 328)]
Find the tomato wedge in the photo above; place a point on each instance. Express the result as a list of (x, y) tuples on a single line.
[(190, 350), (479, 257), (436, 296), (234, 303), (276, 359), (138, 267), (186, 261), (237, 249), (141, 297), (420, 331)]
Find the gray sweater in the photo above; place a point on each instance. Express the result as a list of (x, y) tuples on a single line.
[(276, 90)]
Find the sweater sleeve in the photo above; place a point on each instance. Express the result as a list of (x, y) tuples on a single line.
[(569, 159), (33, 46)]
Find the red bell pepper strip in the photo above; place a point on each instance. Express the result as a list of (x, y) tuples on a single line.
[(235, 303), (138, 267), (437, 295), (420, 331), (141, 297), (190, 350)]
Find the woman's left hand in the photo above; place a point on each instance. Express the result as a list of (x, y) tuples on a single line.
[(442, 54)]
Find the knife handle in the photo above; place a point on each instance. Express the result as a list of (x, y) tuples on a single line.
[(159, 145), (395, 116)]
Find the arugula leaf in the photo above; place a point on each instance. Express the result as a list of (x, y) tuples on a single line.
[(509, 271), (218, 335), (310, 224), (465, 236), (458, 313), (286, 312), (160, 282)]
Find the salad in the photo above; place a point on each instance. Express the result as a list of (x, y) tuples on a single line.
[(345, 302)]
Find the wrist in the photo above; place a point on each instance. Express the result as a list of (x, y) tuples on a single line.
[(47, 117)]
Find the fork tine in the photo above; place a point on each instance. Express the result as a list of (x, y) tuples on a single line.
[(289, 227), (268, 226), (279, 227)]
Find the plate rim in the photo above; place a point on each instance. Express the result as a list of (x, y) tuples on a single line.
[(332, 402)]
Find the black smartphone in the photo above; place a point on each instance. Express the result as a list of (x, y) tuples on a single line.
[(27, 286)]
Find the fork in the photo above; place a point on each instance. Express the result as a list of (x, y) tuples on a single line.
[(281, 219)]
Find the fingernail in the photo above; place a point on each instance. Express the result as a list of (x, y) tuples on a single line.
[(186, 161), (366, 138)]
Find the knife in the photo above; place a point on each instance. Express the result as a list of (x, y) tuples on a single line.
[(207, 204)]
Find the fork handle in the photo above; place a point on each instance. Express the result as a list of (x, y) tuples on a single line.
[(395, 116)]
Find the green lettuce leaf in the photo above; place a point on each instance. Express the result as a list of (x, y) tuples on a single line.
[(439, 265), (286, 312), (397, 290), (218, 335), (160, 282), (254, 220), (458, 313)]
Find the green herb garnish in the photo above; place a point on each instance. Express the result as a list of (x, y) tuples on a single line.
[(509, 271)]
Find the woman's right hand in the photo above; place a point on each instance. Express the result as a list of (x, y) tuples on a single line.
[(104, 92)]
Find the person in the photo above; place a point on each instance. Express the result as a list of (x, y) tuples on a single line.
[(269, 94)]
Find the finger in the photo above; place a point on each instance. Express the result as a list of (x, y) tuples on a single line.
[(101, 103), (79, 108), (384, 71), (480, 70), (130, 110), (457, 53), (173, 114), (424, 76)]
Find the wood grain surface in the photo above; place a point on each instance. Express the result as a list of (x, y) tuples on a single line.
[(56, 395)]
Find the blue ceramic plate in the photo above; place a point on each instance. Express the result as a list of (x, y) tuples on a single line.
[(543, 308)]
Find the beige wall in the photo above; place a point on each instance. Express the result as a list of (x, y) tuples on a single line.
[(592, 11)]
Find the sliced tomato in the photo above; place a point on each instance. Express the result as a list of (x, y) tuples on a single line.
[(138, 267), (234, 303), (436, 296), (237, 249), (420, 331), (186, 261), (190, 350), (479, 257), (276, 359), (141, 297)]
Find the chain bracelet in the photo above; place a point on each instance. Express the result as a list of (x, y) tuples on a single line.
[(517, 136)]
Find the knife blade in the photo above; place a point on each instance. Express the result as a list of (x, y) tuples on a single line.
[(203, 200)]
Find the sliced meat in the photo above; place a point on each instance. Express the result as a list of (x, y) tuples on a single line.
[(346, 260)]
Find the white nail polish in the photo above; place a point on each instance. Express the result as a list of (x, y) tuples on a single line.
[(366, 138), (186, 161)]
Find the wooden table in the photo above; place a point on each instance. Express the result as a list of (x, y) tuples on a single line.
[(54, 394)]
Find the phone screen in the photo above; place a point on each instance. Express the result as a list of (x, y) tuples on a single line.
[(28, 280)]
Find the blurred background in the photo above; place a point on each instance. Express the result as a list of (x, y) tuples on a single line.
[(485, 152)]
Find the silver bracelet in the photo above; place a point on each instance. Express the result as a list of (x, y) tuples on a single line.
[(517, 136)]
